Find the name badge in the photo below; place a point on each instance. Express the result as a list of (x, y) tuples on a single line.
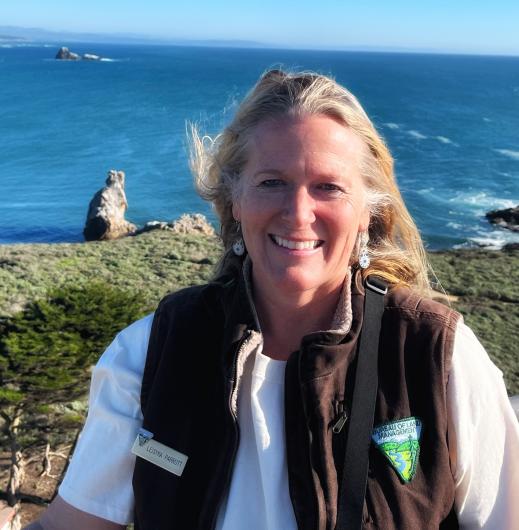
[(158, 454)]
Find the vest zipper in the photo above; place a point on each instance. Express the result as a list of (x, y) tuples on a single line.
[(234, 414), (339, 424), (304, 524)]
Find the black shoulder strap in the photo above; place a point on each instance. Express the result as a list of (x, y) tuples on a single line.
[(356, 457)]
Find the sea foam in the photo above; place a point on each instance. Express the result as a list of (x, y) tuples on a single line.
[(417, 134), (509, 153)]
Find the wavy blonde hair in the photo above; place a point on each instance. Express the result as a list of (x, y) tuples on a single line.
[(395, 246)]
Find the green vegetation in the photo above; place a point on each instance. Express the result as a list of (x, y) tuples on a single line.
[(486, 285), (152, 264), (46, 352), (60, 306)]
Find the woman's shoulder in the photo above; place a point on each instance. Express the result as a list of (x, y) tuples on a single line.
[(409, 303), (128, 349)]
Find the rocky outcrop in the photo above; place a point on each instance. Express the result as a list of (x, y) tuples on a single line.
[(507, 218), (105, 218), (192, 224), (64, 54), (187, 224)]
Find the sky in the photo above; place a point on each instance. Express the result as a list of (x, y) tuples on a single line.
[(464, 26)]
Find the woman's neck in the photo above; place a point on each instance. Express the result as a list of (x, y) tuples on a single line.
[(287, 317)]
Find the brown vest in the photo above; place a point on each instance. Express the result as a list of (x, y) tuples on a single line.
[(190, 375)]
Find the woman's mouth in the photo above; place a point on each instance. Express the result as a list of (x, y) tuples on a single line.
[(293, 244)]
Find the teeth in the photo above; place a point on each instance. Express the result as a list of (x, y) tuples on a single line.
[(296, 245)]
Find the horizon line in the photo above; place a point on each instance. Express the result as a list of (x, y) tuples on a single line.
[(128, 38)]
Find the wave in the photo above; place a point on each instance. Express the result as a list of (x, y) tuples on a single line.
[(444, 140), (416, 134), (480, 202), (456, 226), (494, 240), (391, 125), (486, 119), (100, 60), (509, 153)]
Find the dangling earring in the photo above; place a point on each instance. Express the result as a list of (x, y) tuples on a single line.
[(364, 259), (238, 247)]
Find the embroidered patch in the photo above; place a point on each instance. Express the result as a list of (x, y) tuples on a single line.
[(399, 442)]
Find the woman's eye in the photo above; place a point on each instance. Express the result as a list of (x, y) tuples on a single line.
[(328, 186), (271, 183)]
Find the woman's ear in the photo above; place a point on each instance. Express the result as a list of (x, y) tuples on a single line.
[(364, 221), (236, 211)]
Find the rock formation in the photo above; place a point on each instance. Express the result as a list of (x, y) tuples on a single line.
[(64, 54), (187, 224), (507, 218), (105, 218), (192, 224)]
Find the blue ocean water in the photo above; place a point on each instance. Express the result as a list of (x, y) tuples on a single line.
[(452, 123)]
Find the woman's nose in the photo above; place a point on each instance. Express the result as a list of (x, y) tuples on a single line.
[(299, 208)]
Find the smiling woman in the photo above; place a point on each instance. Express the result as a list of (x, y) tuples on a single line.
[(311, 384), (301, 203)]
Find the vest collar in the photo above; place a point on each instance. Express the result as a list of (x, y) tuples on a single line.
[(320, 351)]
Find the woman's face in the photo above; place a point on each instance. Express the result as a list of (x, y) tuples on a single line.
[(301, 203)]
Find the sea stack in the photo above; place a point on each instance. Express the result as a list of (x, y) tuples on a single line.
[(64, 54), (105, 218)]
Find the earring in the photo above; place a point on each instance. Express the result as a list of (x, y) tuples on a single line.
[(364, 259), (238, 247)]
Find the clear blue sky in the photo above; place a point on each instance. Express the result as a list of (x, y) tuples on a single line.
[(474, 26)]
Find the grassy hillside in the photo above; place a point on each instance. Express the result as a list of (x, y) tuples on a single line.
[(484, 283)]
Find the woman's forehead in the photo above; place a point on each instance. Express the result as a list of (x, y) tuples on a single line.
[(313, 139)]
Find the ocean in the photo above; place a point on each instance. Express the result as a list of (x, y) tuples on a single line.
[(451, 122)]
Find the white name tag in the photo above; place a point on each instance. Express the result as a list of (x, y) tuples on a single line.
[(158, 454)]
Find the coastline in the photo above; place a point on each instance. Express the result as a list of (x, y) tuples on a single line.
[(483, 285)]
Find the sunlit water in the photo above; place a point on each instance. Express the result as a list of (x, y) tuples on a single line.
[(452, 123)]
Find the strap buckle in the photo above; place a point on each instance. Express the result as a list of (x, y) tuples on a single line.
[(376, 285)]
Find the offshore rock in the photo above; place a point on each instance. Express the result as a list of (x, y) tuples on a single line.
[(105, 218), (507, 218), (64, 54)]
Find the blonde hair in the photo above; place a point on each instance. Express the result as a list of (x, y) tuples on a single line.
[(395, 246)]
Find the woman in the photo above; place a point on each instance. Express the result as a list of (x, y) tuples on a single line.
[(246, 401)]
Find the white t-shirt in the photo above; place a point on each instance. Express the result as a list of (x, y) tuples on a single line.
[(483, 440)]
